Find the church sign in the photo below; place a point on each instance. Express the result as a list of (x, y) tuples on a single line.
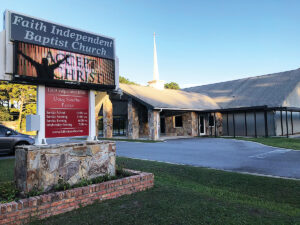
[(66, 112), (56, 55), (66, 64)]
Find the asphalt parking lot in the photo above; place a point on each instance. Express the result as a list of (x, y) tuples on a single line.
[(218, 153)]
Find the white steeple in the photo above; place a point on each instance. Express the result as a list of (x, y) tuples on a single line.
[(155, 65), (156, 83)]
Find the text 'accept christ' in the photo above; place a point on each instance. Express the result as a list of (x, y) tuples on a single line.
[(66, 66)]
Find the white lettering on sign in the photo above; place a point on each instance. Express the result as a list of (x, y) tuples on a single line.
[(66, 112), (29, 24), (43, 33)]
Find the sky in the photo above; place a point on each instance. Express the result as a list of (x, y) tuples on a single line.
[(198, 42)]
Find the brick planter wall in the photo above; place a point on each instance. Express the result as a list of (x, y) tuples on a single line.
[(46, 205)]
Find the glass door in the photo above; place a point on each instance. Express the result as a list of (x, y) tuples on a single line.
[(202, 125)]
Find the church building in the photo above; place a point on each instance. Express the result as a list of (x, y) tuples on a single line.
[(267, 105)]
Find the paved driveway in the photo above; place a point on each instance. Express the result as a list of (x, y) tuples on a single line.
[(226, 154)]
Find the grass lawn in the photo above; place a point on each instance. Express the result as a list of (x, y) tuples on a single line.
[(193, 195), (281, 142)]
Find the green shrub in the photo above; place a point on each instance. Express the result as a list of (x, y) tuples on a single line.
[(62, 185), (83, 182), (34, 192), (8, 192)]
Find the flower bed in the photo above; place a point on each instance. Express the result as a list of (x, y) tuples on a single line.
[(42, 206)]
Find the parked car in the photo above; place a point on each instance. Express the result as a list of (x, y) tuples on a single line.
[(9, 139)]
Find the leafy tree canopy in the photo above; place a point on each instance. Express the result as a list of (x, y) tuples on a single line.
[(17, 99), (4, 114), (172, 85), (124, 80)]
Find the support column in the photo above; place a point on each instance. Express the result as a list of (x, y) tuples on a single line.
[(255, 127), (287, 123), (266, 123), (292, 123), (107, 117), (133, 120), (99, 98), (92, 125), (215, 122), (233, 120), (40, 137), (281, 122), (154, 124), (194, 122), (246, 130), (227, 124)]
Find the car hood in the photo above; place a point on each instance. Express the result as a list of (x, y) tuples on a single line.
[(23, 135)]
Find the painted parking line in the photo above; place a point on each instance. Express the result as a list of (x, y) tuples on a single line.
[(264, 155)]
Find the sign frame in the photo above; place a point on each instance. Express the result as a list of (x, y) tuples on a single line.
[(7, 70), (10, 53)]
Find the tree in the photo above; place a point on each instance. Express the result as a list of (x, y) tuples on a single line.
[(172, 85), (25, 97), (124, 80), (4, 114), (5, 87), (19, 99)]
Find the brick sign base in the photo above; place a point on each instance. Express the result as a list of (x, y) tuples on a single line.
[(39, 207)]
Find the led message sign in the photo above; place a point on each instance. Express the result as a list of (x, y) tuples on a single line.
[(37, 64)]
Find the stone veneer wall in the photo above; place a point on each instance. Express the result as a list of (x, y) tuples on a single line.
[(219, 122), (42, 166), (211, 130), (40, 207), (194, 124), (133, 120), (189, 125), (154, 124), (107, 117), (143, 122)]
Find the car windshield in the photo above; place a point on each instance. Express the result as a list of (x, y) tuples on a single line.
[(3, 131)]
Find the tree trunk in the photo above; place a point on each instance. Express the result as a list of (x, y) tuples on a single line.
[(21, 111)]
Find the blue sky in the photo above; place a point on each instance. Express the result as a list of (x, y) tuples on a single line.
[(198, 42)]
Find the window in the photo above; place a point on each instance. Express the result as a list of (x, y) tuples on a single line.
[(178, 121), (2, 131), (211, 121)]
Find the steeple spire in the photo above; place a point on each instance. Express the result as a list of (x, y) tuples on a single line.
[(156, 83), (155, 65)]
